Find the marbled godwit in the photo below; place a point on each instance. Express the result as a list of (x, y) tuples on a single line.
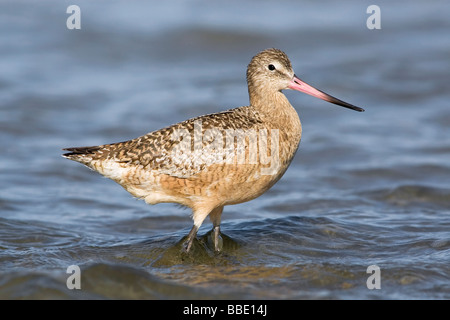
[(167, 165)]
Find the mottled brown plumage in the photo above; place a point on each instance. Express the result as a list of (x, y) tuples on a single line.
[(213, 160)]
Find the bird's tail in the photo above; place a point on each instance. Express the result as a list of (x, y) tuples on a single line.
[(81, 154)]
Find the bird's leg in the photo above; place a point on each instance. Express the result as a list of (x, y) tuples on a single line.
[(190, 238), (199, 216), (218, 241), (215, 217)]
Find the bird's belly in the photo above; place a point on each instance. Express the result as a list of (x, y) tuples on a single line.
[(237, 189), (219, 184)]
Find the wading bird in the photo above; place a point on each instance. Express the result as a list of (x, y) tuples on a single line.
[(219, 159)]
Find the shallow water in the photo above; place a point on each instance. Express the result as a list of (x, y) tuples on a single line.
[(364, 188)]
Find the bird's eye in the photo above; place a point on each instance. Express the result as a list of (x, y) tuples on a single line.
[(271, 67)]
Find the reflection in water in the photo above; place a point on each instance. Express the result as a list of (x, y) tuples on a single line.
[(202, 252)]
